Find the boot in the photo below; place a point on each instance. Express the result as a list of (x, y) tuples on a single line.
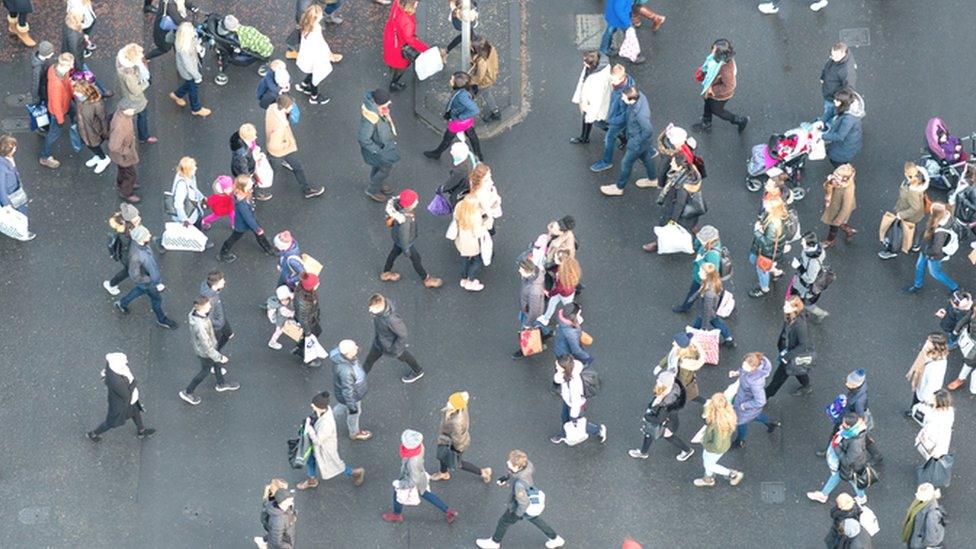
[(741, 122), (310, 482), (849, 232), (11, 26), (432, 282), (25, 38), (358, 476), (655, 18), (829, 243)]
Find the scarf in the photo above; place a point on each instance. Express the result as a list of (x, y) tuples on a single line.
[(710, 67), (410, 452), (118, 363), (909, 524)]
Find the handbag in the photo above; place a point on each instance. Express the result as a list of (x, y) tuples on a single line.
[(487, 248), (726, 305), (699, 74), (292, 329), (924, 444), (299, 449), (530, 341), (13, 224), (263, 171), (406, 496), (17, 198), (311, 265), (867, 477), (967, 346), (936, 471), (695, 207), (630, 47), (460, 126), (765, 264), (673, 238), (575, 430), (439, 205), (869, 521), (39, 118), (803, 362), (708, 341), (585, 339)]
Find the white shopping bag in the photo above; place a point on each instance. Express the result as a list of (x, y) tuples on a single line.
[(313, 349), (428, 63), (630, 47), (13, 223), (731, 390), (575, 431), (699, 436), (487, 248), (178, 238), (263, 174), (818, 150), (673, 238), (726, 304), (869, 521)]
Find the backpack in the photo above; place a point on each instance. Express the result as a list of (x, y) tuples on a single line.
[(725, 264), (591, 382), (114, 246), (825, 278), (537, 500), (952, 245)]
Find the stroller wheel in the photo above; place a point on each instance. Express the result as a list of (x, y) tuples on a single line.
[(221, 79), (263, 69), (753, 184), (798, 193)]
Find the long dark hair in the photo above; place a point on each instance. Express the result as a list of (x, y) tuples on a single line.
[(846, 97), (723, 49), (481, 47), (460, 80)]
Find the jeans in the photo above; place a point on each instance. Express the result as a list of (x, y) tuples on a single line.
[(470, 267), (509, 518), (761, 274), (740, 430), (377, 178), (312, 470), (352, 420), (832, 482), (935, 269), (691, 297), (712, 468), (607, 39), (142, 124), (205, 366), (828, 112), (431, 497), (296, 169), (191, 88), (155, 300), (411, 253), (405, 357), (630, 158), (332, 8), (525, 321), (591, 428), (554, 302), (609, 143), (54, 133), (717, 323)]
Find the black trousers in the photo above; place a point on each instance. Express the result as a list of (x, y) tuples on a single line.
[(780, 376), (472, 136), (205, 365), (235, 236), (585, 131), (405, 357), (396, 75), (671, 423), (224, 335), (465, 465), (21, 18), (510, 518), (717, 108), (120, 276), (136, 418), (311, 87), (411, 253)]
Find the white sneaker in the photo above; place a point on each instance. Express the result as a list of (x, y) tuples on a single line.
[(487, 543), (557, 541), (474, 286), (817, 496), (259, 541), (611, 190), (112, 290), (817, 6), (768, 8), (274, 345), (683, 456), (91, 162), (102, 164), (646, 183), (603, 433), (861, 500)]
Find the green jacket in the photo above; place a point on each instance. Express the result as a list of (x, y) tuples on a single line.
[(713, 441), (702, 256)]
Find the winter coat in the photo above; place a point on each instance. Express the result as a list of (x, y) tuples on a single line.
[(842, 203), (241, 160), (314, 55), (88, 18), (400, 30), (567, 340), (39, 68), (520, 481), (457, 182), (59, 94), (708, 305), (838, 516), (268, 90), (712, 255), (687, 374), (857, 400), (325, 444), (120, 405), (661, 410), (723, 87), (10, 182), (377, 135), (404, 228), (837, 75), (769, 240), (937, 427), (92, 122), (844, 138), (348, 381), (131, 85), (617, 112), (18, 6), (806, 274), (244, 219), (290, 265), (684, 187), (572, 391), (491, 204), (750, 398), (186, 191), (202, 337), (217, 318), (640, 132), (122, 140), (306, 304), (532, 301), (454, 430), (793, 340), (461, 106), (933, 248), (188, 66), (965, 203), (413, 473), (484, 71), (468, 241), (617, 13), (73, 42), (928, 530), (932, 379), (852, 454), (593, 91), (390, 331), (278, 137), (280, 526), (143, 268), (715, 442)]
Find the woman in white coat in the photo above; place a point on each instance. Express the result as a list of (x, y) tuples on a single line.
[(569, 378), (927, 374), (187, 198), (592, 92), (936, 434), (315, 57), (320, 428)]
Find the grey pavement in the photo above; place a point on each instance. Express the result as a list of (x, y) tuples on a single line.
[(197, 482)]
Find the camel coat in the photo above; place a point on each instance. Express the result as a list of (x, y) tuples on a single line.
[(278, 137), (842, 203), (325, 445)]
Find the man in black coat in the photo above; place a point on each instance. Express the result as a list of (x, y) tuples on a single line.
[(390, 338), (838, 73), (123, 398), (377, 140)]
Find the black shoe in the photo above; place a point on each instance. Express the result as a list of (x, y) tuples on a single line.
[(149, 9), (263, 196), (92, 436), (318, 100), (680, 309), (742, 123), (730, 343), (433, 155), (737, 444), (226, 258), (168, 324), (757, 292), (146, 433), (412, 376), (701, 127), (317, 191), (397, 86), (517, 355), (801, 391), (579, 140), (772, 426)]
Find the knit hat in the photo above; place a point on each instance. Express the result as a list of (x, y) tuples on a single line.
[(140, 234), (283, 293), (707, 233), (926, 492), (460, 152), (677, 136), (309, 281), (231, 23), (408, 198), (567, 223), (282, 495), (380, 96), (855, 378), (283, 240), (851, 528), (683, 339), (129, 212), (457, 401), (223, 183), (321, 400), (411, 439), (45, 49)]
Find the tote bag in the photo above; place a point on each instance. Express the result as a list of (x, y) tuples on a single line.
[(575, 431), (630, 47), (14, 224), (673, 238), (176, 237), (428, 63)]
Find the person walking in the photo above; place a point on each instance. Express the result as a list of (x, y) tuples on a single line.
[(484, 74), (60, 107), (708, 249), (324, 461), (838, 73), (750, 396), (12, 193), (681, 198), (315, 57), (938, 243), (808, 267), (532, 299), (210, 289), (274, 83), (616, 121), (569, 378), (145, 274), (40, 61), (661, 417), (93, 124), (927, 374), (769, 238), (403, 228), (280, 309), (847, 458), (244, 221), (469, 234), (88, 17), (720, 423), (290, 266), (839, 204), (307, 314), (123, 398), (73, 38), (712, 294), (563, 292), (245, 156), (843, 134), (399, 37), (390, 338), (857, 403), (462, 164), (278, 518), (121, 223), (188, 66), (123, 152), (640, 144), (205, 346), (569, 334), (520, 478), (844, 508), (281, 144), (461, 112), (935, 436), (377, 142), (483, 189), (616, 13), (771, 8), (795, 350), (718, 82), (924, 524), (349, 387), (453, 439), (17, 25), (187, 199), (132, 80), (592, 93), (177, 11), (965, 328), (414, 477), (910, 208), (685, 358)]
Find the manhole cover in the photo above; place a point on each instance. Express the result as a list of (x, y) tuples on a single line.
[(773, 492), (16, 100), (15, 124), (34, 515), (589, 31), (856, 37)]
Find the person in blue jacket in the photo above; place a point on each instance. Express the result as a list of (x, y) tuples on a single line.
[(616, 120), (244, 220), (462, 111), (568, 334), (617, 15), (275, 82), (640, 143), (844, 137), (144, 272), (11, 187)]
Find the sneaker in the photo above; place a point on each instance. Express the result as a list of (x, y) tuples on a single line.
[(310, 482), (274, 345), (168, 323), (112, 290), (611, 190), (50, 162), (389, 276), (262, 195), (555, 542), (332, 18), (226, 258), (190, 398), (817, 496), (730, 343), (701, 127), (260, 543), (413, 376), (151, 140), (704, 482), (913, 289), (603, 433), (600, 166), (450, 515), (318, 99), (579, 140), (30, 236), (915, 249), (227, 386), (119, 306), (558, 439), (303, 87), (362, 435), (433, 155), (88, 53), (101, 165), (91, 162), (223, 371), (92, 436), (860, 500), (768, 8), (202, 113), (474, 286), (645, 183), (817, 6), (637, 454), (735, 477), (146, 433), (317, 363), (392, 517), (317, 191), (383, 2), (773, 425), (758, 292), (683, 456), (742, 123), (487, 543), (884, 254), (517, 355)]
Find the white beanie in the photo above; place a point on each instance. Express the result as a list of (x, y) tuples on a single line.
[(460, 152), (677, 136), (347, 346), (283, 293)]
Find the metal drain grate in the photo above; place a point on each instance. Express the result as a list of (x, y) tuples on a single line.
[(856, 37), (773, 492), (589, 30)]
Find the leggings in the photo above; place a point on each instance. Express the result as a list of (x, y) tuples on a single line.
[(472, 136), (780, 376), (207, 220), (120, 276), (311, 87), (136, 418), (410, 252), (97, 151), (587, 127), (716, 107)]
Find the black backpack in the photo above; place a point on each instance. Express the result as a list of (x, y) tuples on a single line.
[(591, 382), (114, 246), (825, 278), (725, 264)]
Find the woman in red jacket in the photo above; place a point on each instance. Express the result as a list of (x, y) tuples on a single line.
[(400, 31)]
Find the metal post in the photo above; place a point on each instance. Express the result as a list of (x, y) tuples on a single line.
[(465, 35)]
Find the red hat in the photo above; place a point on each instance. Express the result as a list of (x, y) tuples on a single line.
[(309, 281), (408, 197)]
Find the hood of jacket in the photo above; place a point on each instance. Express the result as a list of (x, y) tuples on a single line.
[(236, 143), (641, 107), (369, 106), (393, 210), (338, 358), (387, 310), (765, 367)]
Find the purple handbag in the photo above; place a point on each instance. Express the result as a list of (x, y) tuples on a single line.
[(439, 205)]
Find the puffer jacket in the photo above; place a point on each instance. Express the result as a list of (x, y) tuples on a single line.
[(202, 337), (377, 135), (280, 526), (391, 332), (750, 398), (404, 229), (837, 75), (852, 452), (306, 305), (348, 381), (769, 240), (659, 411), (640, 132), (532, 301), (844, 138), (521, 481), (454, 430), (793, 340)]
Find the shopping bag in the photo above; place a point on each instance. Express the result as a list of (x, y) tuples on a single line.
[(673, 238), (439, 205), (708, 340), (292, 329), (177, 237), (818, 149), (530, 341), (699, 436), (731, 390), (313, 349), (311, 265), (263, 172), (406, 496), (39, 118), (869, 521), (428, 63), (487, 248), (936, 471), (575, 431), (972, 256), (887, 220), (299, 449), (630, 47), (13, 224)]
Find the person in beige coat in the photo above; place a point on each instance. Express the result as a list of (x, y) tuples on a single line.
[(482, 187), (122, 151), (132, 80), (839, 204), (453, 440), (910, 206), (469, 230), (320, 428), (484, 73), (280, 142)]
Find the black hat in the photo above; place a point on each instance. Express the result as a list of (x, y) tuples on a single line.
[(567, 223), (321, 400), (282, 495), (381, 96)]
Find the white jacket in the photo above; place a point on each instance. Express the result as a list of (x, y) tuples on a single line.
[(937, 427), (491, 203), (572, 390), (593, 94), (933, 376), (315, 56)]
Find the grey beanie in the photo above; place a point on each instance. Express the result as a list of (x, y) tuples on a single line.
[(707, 233), (45, 49), (411, 439), (128, 211), (851, 528), (855, 378)]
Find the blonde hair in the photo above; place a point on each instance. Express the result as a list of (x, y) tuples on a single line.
[(247, 131), (74, 19), (133, 52), (185, 38), (467, 212), (310, 16), (241, 184), (711, 279), (797, 305), (568, 274), (690, 351), (180, 7), (518, 458), (272, 487), (187, 166), (478, 176), (720, 414)]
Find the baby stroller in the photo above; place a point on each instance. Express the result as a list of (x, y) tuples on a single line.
[(784, 153), (226, 48), (944, 155)]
